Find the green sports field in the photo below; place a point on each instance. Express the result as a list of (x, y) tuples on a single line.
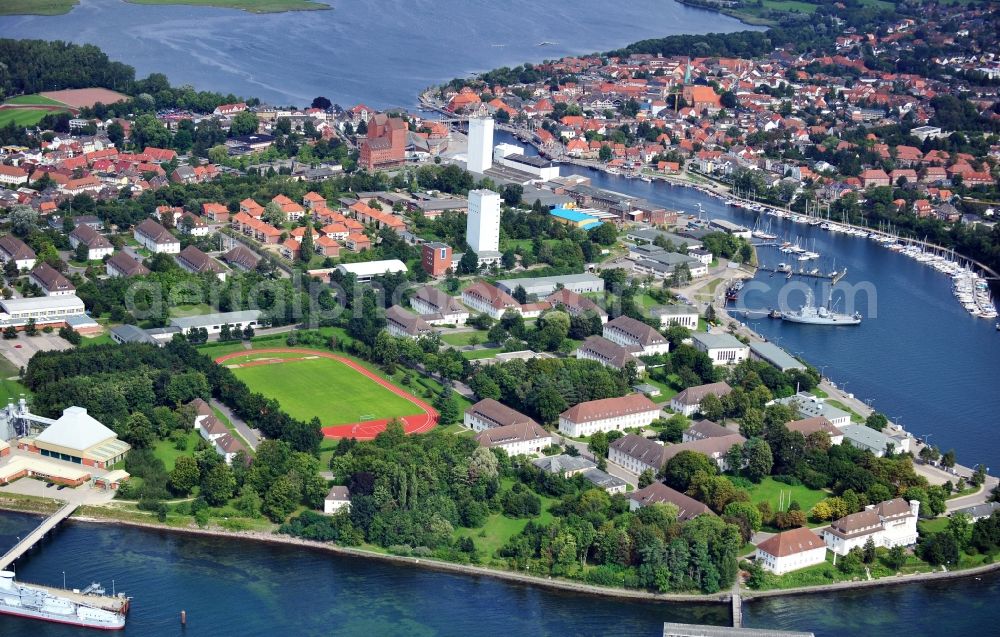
[(321, 387)]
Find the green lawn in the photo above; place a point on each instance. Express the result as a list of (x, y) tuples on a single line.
[(323, 388), (22, 116), (463, 338), (11, 390), (932, 526), (487, 352), (855, 416), (100, 339), (30, 99), (194, 309), (168, 453), (771, 491), (36, 7), (500, 528), (666, 391), (253, 6)]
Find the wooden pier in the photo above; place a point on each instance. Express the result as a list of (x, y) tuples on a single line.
[(36, 535), (835, 277), (737, 602)]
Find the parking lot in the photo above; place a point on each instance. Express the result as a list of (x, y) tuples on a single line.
[(20, 350)]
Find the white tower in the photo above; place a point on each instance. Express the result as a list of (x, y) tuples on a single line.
[(482, 229), (480, 153)]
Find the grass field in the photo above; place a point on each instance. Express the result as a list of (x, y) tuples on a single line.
[(168, 453), (321, 387), (500, 528), (253, 6), (36, 7), (487, 352), (463, 338), (30, 99), (770, 490), (22, 116)]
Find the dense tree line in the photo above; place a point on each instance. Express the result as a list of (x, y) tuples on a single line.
[(30, 66), (114, 382), (543, 388)]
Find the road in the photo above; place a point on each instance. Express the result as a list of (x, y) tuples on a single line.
[(251, 436)]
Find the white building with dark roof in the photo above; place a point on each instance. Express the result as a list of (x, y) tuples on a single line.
[(437, 307), (518, 439), (156, 238), (688, 401), (338, 498), (609, 354), (889, 523), (626, 412), (626, 331), (489, 414), (97, 244), (13, 249), (121, 264), (658, 493), (51, 281), (636, 454), (403, 324)]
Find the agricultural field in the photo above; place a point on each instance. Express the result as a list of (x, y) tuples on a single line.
[(310, 386), (11, 112), (36, 7), (252, 6)]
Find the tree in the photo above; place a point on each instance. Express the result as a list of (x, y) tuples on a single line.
[(711, 408), (896, 557), (446, 406), (876, 421), (273, 214), (81, 253), (948, 459), (469, 263), (23, 220), (599, 444), (218, 485), (604, 154), (679, 470), (757, 458), (185, 476), (321, 103), (9, 332), (646, 478), (245, 123), (308, 247), (868, 551)]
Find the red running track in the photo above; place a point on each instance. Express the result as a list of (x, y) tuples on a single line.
[(368, 429)]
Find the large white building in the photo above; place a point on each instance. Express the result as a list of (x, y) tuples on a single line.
[(44, 309), (688, 402), (490, 414), (583, 419), (482, 229), (626, 331), (520, 439), (790, 551), (365, 271), (723, 349), (890, 523), (480, 152)]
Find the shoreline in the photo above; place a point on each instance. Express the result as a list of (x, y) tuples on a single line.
[(570, 586)]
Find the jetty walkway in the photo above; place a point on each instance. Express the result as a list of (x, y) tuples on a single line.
[(33, 538)]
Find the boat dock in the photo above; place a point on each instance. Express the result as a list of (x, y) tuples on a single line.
[(114, 603), (737, 602), (36, 535), (835, 277)]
